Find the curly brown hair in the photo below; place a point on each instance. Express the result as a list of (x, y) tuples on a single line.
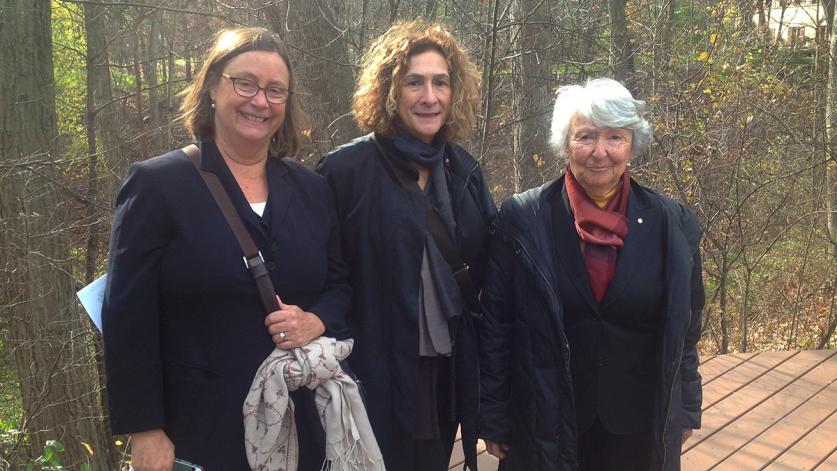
[(197, 113), (384, 64)]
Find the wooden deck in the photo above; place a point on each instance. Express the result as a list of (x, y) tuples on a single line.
[(761, 411)]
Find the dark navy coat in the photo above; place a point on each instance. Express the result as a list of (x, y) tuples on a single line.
[(383, 231), (527, 396), (183, 325)]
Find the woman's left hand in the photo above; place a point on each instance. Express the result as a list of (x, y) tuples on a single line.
[(292, 327), (687, 432)]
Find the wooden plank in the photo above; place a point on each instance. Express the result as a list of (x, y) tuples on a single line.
[(705, 358), (458, 456), (787, 430), (729, 441), (828, 464), (809, 451), (757, 408), (749, 395), (719, 365), (740, 376), (486, 462)]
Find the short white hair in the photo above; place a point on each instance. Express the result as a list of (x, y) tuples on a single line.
[(605, 102)]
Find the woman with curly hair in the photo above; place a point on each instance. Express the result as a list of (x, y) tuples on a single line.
[(414, 211)]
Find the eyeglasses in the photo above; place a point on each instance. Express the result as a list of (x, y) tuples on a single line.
[(248, 89), (611, 140)]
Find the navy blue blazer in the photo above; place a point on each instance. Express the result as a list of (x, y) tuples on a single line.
[(183, 325)]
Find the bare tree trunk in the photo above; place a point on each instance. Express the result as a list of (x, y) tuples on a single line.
[(324, 73), (831, 319), (58, 385), (99, 96), (663, 46), (488, 76), (744, 315), (621, 48), (531, 98), (135, 51), (151, 77), (723, 315), (831, 139)]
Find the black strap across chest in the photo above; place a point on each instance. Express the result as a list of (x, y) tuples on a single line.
[(436, 228), (253, 259)]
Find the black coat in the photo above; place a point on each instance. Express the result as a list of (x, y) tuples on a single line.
[(527, 397), (183, 325), (383, 232)]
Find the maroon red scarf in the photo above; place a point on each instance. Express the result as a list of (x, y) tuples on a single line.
[(602, 230)]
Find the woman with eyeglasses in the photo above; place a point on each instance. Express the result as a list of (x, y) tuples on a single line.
[(592, 303), (184, 327)]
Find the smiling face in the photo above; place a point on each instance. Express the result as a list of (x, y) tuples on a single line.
[(424, 95), (598, 156), (247, 124)]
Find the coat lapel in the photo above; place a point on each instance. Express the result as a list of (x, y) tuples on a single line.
[(643, 225), (280, 194)]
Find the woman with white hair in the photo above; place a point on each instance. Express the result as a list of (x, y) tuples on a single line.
[(592, 305)]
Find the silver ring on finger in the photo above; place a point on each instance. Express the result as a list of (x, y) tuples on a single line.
[(282, 336)]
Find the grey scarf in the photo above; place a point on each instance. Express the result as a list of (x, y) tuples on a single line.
[(270, 435)]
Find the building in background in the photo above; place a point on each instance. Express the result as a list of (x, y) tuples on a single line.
[(796, 22)]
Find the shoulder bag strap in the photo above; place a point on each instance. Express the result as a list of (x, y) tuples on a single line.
[(253, 259), (440, 235)]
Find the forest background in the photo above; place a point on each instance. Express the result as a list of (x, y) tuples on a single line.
[(744, 126)]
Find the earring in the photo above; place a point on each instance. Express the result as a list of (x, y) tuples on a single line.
[(212, 106)]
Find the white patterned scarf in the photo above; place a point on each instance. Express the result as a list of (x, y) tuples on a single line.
[(269, 430)]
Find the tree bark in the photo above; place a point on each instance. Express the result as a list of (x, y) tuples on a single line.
[(831, 139), (135, 51), (58, 385), (324, 73), (621, 47), (531, 98)]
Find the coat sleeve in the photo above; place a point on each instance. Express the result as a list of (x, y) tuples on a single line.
[(131, 312), (495, 343), (336, 298), (488, 211), (690, 377)]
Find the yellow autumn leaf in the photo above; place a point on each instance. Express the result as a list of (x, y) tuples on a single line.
[(703, 56), (538, 160), (708, 91), (88, 448), (118, 442), (713, 38), (306, 132)]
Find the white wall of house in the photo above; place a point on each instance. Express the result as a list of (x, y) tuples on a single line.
[(797, 21)]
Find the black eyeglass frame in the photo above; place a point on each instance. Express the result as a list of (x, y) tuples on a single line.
[(258, 89)]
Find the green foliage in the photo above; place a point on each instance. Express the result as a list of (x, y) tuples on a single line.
[(50, 460), (9, 394)]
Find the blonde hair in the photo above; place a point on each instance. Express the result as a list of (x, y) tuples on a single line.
[(385, 63), (197, 112)]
